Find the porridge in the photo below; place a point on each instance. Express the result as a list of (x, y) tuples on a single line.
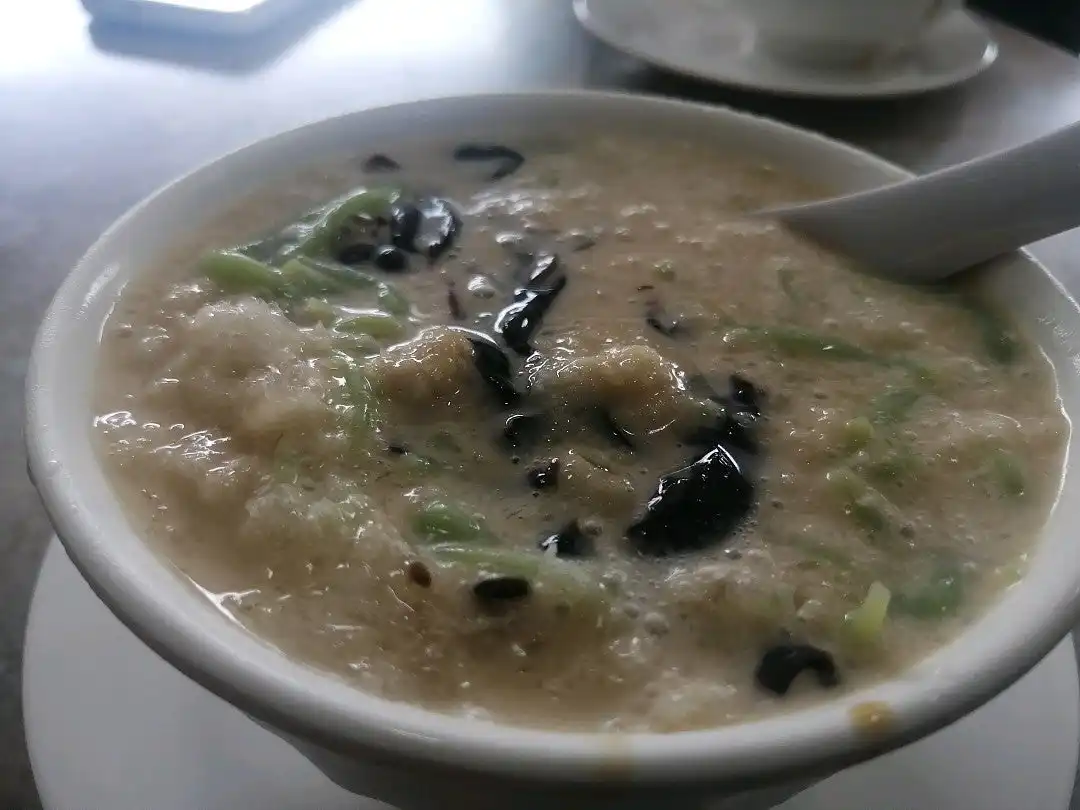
[(571, 442)]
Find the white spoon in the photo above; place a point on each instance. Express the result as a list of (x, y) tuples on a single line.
[(930, 227)]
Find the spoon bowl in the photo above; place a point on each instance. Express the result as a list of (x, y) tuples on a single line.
[(931, 227)]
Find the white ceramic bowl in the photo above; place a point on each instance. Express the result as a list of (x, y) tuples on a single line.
[(416, 758), (842, 32)]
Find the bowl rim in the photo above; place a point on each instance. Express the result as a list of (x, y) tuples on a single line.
[(303, 701)]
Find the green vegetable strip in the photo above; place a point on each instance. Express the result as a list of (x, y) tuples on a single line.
[(866, 623), (391, 300), (344, 276), (998, 339), (364, 412), (356, 347), (865, 505), (440, 522), (235, 273), (857, 433), (802, 343), (898, 463), (320, 311), (935, 598), (796, 342), (871, 512), (894, 405), (372, 203), (419, 465), (816, 551), (499, 561), (380, 325), (1009, 473), (303, 279)]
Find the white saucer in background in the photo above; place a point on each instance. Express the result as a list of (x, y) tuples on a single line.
[(110, 726), (717, 45)]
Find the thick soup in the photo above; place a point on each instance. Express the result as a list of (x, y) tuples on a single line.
[(562, 439)]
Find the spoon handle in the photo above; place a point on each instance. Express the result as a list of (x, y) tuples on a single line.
[(939, 223)]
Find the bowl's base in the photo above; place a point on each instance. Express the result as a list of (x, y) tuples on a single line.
[(109, 724)]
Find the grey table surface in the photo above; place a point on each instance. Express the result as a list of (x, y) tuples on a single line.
[(92, 118)]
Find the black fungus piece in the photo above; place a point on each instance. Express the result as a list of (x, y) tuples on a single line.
[(504, 160), (397, 449), (381, 164), (501, 588), (405, 225), (418, 573), (355, 242), (430, 227), (358, 253), (694, 506), (544, 474), (659, 319), (544, 272), (439, 227), (607, 425), (518, 322), (725, 430), (743, 414), (492, 364), (570, 541), (782, 664), (736, 426), (391, 259), (645, 287), (453, 302), (522, 429), (494, 368), (746, 394)]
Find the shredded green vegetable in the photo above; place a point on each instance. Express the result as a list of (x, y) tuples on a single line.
[(420, 465), (797, 342), (896, 463), (370, 202), (998, 338), (866, 623), (870, 512), (488, 559), (819, 552), (934, 598), (379, 325), (865, 505), (437, 521), (894, 405), (318, 310), (857, 434), (1008, 472), (364, 416), (391, 300), (802, 343), (302, 279), (236, 273), (356, 347)]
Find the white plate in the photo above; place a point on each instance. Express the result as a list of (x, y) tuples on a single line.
[(718, 45), (111, 725)]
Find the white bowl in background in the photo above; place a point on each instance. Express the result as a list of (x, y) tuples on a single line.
[(419, 759), (855, 33)]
